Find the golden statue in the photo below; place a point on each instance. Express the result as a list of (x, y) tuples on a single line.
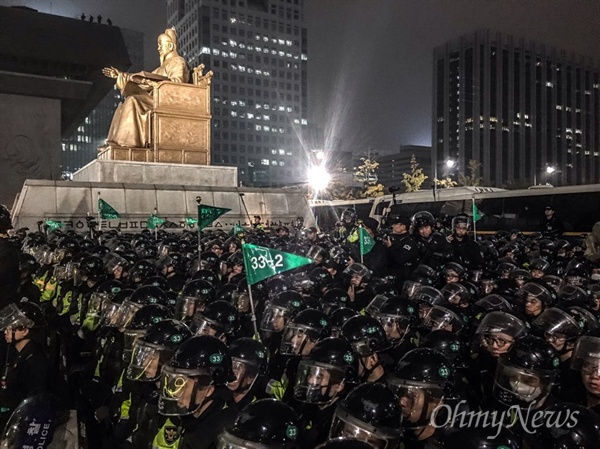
[(130, 122)]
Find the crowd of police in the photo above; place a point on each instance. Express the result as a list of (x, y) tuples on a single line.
[(157, 341)]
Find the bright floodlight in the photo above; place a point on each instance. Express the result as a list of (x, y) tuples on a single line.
[(318, 178), (550, 170), (450, 163), (320, 155)]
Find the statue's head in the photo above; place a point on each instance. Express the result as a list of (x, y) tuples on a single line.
[(167, 43)]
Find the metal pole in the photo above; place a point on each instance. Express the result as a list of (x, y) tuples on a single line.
[(198, 201), (253, 311), (245, 208), (99, 216), (474, 222)]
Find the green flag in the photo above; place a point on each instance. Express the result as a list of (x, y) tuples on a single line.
[(476, 213), (154, 222), (237, 229), (190, 221), (366, 241), (262, 263), (107, 212), (52, 225), (208, 214)]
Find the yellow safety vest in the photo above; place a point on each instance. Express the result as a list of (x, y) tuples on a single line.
[(167, 437)]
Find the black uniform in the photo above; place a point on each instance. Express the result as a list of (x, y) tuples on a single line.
[(434, 251), (10, 276), (551, 228), (402, 256), (466, 252)]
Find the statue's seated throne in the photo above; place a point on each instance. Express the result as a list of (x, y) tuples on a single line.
[(178, 130)]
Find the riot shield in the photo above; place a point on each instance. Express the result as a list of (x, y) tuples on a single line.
[(33, 423)]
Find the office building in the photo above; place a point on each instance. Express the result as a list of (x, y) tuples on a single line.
[(518, 107), (393, 166), (82, 146), (257, 50)]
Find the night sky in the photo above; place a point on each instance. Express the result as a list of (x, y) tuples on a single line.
[(370, 61)]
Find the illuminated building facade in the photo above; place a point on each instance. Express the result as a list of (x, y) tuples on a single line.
[(82, 147), (257, 50), (517, 107)]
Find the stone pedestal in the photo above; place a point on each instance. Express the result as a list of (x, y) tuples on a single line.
[(130, 172)]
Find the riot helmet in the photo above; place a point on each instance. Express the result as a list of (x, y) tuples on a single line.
[(397, 316), (581, 432), (303, 331), (323, 375), (420, 380), (193, 298), (498, 331), (448, 317), (338, 318), (280, 309), (333, 299), (586, 359), (369, 413), (526, 374), (198, 364), (264, 424), (249, 359), (219, 318), (155, 348)]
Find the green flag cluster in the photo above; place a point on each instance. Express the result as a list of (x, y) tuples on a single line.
[(476, 213), (190, 221), (52, 225), (262, 263), (208, 214), (107, 212), (154, 222), (237, 229), (366, 241)]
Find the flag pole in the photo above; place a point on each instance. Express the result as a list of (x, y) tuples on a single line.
[(360, 244), (155, 227), (99, 215), (474, 221), (253, 311), (198, 201)]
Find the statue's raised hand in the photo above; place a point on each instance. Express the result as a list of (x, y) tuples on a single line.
[(110, 72)]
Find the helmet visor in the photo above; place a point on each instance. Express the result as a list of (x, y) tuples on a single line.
[(376, 304), (440, 318), (501, 323), (273, 319), (229, 441), (129, 339), (12, 317), (416, 400), (345, 425), (186, 307), (514, 385), (205, 326), (317, 383), (241, 301), (182, 392), (110, 314), (146, 361), (126, 313), (554, 321), (586, 353), (61, 273), (245, 374), (296, 339), (395, 326), (410, 288)]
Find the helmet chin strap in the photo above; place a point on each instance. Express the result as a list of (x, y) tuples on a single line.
[(369, 371)]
